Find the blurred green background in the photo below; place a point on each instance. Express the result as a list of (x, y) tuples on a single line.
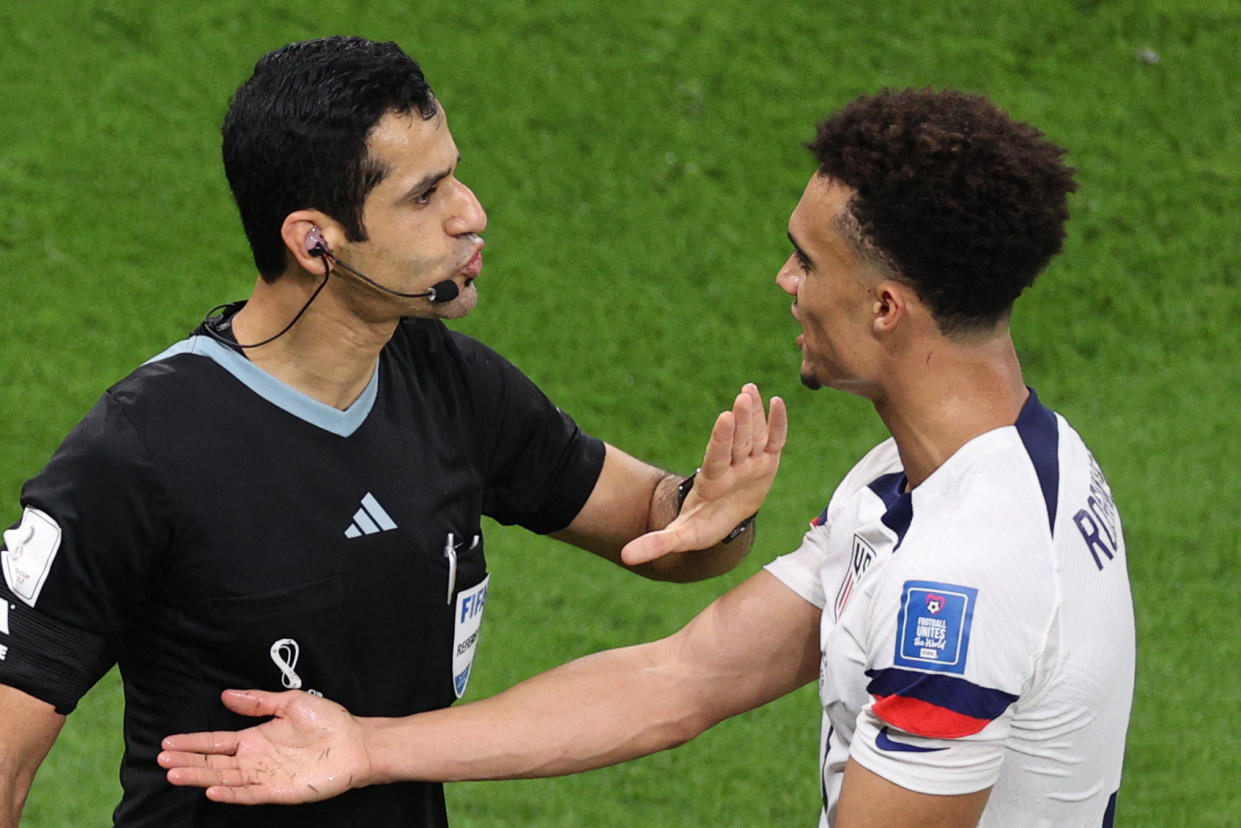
[(638, 161)]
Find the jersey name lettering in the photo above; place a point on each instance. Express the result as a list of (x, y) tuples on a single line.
[(1098, 522)]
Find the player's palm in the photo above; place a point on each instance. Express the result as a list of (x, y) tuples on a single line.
[(311, 750)]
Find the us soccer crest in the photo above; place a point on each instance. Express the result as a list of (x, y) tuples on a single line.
[(860, 559)]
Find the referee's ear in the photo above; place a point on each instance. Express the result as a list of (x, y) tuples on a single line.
[(296, 233)]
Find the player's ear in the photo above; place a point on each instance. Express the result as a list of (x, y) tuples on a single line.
[(890, 304)]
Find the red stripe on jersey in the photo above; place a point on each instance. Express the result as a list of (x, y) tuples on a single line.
[(926, 719)]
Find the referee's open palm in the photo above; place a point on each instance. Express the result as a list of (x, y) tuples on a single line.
[(738, 467)]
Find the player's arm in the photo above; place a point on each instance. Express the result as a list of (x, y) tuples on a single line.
[(634, 515), (867, 800), (29, 727), (754, 644)]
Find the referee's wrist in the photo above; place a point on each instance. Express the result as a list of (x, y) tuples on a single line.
[(683, 490)]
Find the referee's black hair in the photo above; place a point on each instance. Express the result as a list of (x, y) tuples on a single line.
[(962, 202), (295, 134)]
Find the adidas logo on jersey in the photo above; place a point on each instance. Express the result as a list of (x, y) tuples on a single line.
[(370, 519)]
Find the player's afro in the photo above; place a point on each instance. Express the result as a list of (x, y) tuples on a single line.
[(965, 203)]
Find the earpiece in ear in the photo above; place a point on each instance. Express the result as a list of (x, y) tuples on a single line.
[(315, 244)]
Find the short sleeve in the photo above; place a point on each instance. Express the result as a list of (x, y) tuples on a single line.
[(952, 636), (88, 542), (799, 570), (539, 467)]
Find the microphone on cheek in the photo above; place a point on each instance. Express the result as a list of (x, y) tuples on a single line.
[(444, 291), (438, 293)]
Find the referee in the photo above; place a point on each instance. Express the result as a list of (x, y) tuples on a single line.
[(291, 497)]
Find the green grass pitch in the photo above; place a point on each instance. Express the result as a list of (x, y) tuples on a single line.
[(638, 161)]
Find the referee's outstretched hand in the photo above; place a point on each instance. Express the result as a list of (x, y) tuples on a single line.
[(738, 468), (311, 750)]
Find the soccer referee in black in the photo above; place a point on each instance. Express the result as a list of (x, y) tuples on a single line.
[(291, 497)]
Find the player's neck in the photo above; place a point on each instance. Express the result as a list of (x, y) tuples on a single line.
[(951, 395), (329, 354)]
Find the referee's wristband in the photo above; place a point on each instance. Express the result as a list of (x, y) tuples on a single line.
[(683, 492)]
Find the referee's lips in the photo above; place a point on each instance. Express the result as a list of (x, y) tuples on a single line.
[(474, 265)]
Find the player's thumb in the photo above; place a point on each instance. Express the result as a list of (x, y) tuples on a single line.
[(253, 702)]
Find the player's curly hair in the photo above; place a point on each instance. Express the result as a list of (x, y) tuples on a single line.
[(958, 199)]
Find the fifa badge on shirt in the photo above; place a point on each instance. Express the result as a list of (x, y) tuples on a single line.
[(29, 551), (467, 619), (933, 626)]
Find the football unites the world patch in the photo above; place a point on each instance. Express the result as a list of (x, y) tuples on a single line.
[(933, 626)]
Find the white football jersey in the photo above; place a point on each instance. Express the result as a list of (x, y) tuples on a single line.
[(978, 630)]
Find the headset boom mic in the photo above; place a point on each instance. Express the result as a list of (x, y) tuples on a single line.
[(444, 291)]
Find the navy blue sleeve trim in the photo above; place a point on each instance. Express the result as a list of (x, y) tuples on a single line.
[(1109, 815)]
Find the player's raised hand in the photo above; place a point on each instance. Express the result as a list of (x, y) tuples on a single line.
[(311, 750), (738, 468)]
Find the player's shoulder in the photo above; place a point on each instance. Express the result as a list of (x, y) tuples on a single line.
[(882, 460), (987, 495)]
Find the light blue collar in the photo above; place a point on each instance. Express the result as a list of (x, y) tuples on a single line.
[(333, 420)]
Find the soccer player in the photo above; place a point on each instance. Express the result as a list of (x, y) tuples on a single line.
[(292, 496), (963, 599)]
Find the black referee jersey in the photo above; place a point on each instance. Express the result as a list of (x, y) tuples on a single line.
[(206, 526)]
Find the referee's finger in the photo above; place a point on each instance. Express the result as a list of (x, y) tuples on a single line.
[(648, 547), (744, 430), (778, 426), (719, 454)]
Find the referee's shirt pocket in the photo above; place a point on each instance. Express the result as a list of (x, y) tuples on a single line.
[(274, 639)]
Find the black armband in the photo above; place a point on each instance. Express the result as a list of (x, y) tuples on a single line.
[(46, 658)]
